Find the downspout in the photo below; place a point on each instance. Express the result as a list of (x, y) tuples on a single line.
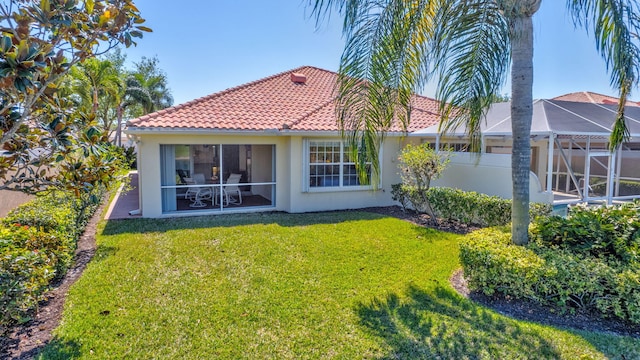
[(138, 211)]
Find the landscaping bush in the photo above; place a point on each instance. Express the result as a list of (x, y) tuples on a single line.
[(37, 243), (492, 264), (24, 276), (609, 232), (467, 206), (588, 260)]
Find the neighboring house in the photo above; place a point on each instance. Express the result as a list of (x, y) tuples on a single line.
[(570, 161), (594, 98), (279, 133)]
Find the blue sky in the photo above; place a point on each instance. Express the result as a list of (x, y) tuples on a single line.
[(206, 46)]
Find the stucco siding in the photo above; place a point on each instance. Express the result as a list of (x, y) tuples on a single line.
[(491, 176), (345, 198)]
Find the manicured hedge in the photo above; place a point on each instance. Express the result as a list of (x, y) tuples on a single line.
[(564, 265), (37, 243), (467, 206)]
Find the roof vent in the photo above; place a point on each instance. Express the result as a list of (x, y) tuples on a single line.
[(298, 78)]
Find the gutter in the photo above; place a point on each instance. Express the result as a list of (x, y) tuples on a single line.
[(266, 132)]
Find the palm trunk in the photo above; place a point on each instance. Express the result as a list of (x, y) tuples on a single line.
[(521, 116)]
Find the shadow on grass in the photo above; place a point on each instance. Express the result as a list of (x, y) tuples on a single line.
[(59, 349), (115, 227), (52, 350), (442, 325), (103, 252)]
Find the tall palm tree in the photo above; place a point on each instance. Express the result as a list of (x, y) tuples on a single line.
[(396, 46)]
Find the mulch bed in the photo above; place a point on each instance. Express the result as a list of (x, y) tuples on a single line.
[(25, 341)]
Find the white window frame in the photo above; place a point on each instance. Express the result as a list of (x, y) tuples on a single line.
[(306, 167)]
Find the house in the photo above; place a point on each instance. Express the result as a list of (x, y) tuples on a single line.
[(274, 144), (570, 160), (279, 134), (592, 97)]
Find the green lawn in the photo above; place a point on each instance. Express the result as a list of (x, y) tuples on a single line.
[(332, 285)]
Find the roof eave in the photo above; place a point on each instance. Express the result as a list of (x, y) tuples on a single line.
[(190, 131)]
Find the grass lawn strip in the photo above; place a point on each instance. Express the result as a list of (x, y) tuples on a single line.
[(331, 285)]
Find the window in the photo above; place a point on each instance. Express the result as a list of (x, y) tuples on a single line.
[(330, 165), (453, 147)]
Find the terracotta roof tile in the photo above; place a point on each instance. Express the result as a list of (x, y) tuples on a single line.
[(275, 102), (591, 97)]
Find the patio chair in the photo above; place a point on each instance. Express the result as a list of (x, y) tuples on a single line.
[(193, 193), (232, 190)]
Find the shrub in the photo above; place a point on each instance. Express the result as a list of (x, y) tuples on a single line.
[(37, 243), (492, 264), (468, 207), (609, 232), (419, 164), (588, 260), (51, 213)]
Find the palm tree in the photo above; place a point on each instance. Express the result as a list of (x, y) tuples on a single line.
[(152, 81), (396, 46), (146, 90), (96, 85)]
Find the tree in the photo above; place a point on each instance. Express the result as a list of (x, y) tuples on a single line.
[(152, 85), (40, 42), (97, 87), (146, 90), (419, 164), (396, 46)]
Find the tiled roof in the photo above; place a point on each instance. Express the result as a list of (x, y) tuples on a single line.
[(591, 97), (275, 102)]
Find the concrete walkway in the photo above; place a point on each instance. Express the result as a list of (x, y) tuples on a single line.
[(10, 199), (125, 201)]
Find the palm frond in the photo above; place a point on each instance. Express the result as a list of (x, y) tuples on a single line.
[(616, 26), (473, 53), (383, 64)]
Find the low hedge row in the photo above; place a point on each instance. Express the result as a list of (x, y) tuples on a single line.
[(37, 243), (567, 273), (467, 206)]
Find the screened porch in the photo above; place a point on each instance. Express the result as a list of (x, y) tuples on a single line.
[(216, 177)]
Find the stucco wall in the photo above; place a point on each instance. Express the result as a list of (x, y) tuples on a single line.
[(10, 199), (489, 174), (341, 199)]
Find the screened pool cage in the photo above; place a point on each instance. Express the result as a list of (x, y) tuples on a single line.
[(570, 149)]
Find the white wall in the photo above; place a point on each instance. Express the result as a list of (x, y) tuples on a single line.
[(489, 174)]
